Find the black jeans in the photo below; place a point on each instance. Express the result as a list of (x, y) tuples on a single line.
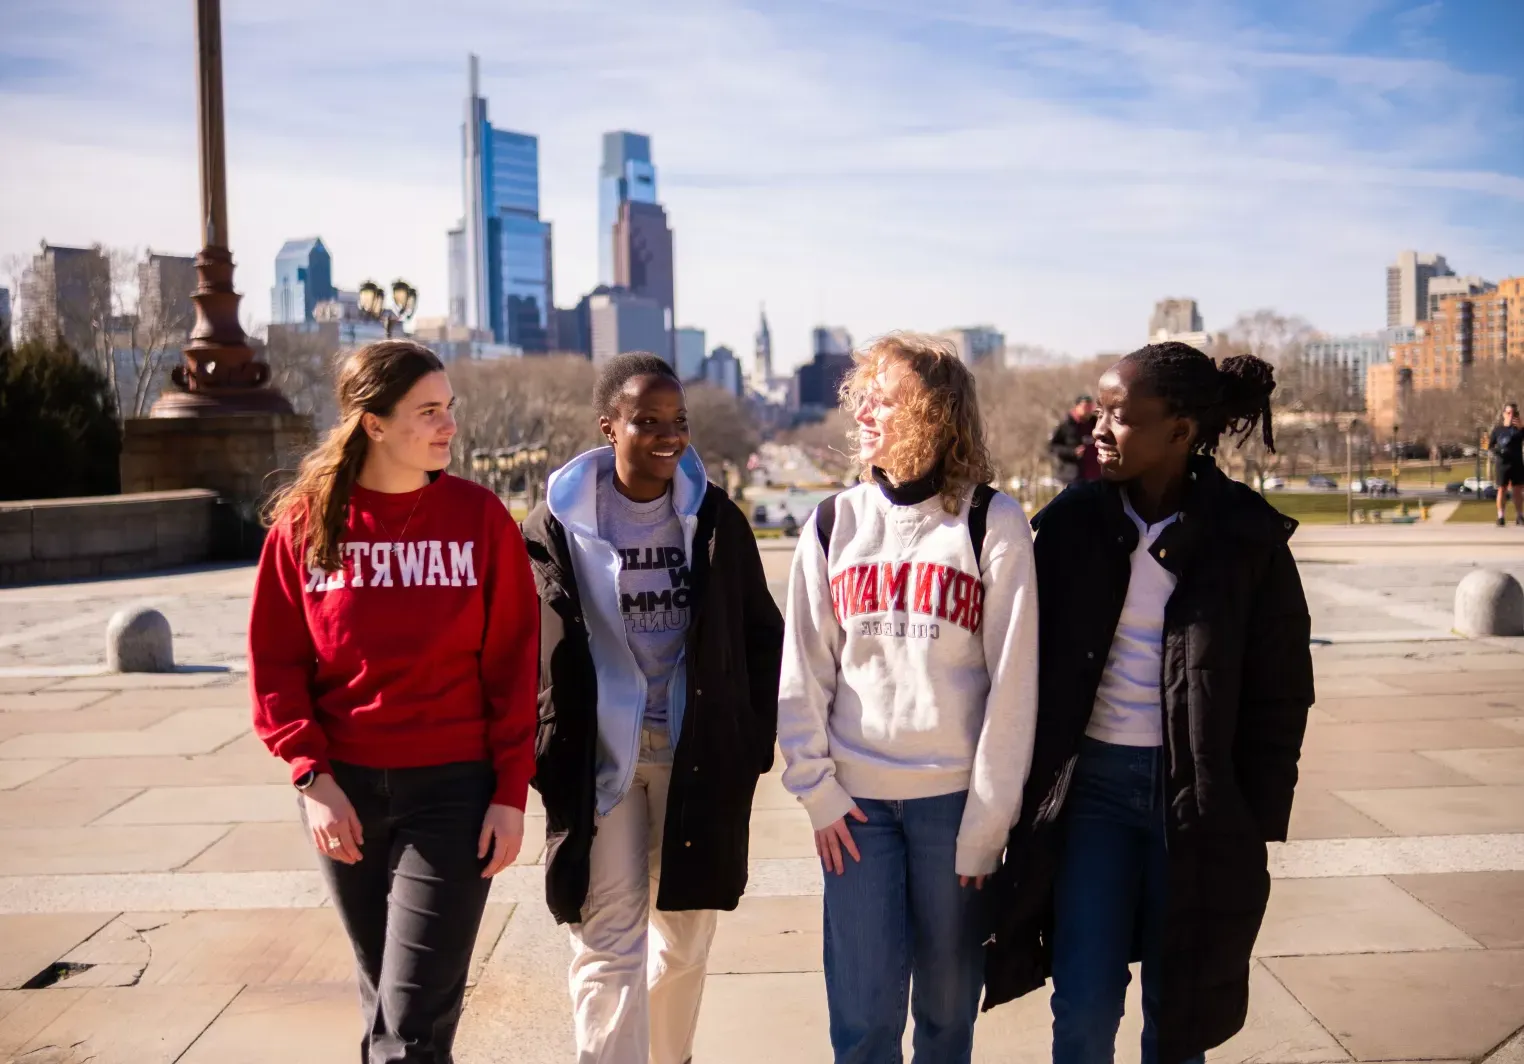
[(413, 903)]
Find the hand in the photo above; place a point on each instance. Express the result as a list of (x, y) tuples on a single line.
[(502, 836), (1079, 452), (336, 830), (977, 881), (831, 839)]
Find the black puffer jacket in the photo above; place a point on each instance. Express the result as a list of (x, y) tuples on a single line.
[(1237, 685), (734, 651)]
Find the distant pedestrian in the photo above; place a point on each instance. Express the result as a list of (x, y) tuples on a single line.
[(1071, 448), (1507, 446), (659, 659), (392, 661), (1175, 684), (908, 702)]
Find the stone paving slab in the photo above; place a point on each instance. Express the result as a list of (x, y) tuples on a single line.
[(1407, 736), (1446, 1005), (74, 851), (1327, 770), (59, 808), (140, 1025), (191, 731), (1422, 707), (1488, 906), (32, 942), (209, 805), (17, 773), (1351, 915), (304, 1022), (208, 770), (1443, 810), (45, 700), (68, 722), (1501, 766), (1318, 814)]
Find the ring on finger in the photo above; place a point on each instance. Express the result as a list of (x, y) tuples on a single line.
[(333, 843)]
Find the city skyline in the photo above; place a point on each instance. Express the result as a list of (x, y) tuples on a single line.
[(1250, 158)]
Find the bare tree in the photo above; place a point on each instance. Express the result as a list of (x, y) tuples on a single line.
[(304, 365), (825, 441), (724, 431)]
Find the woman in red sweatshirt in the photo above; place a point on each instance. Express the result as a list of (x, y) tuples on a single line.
[(392, 654)]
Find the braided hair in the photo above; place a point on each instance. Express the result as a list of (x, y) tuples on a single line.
[(1232, 399), (622, 369)]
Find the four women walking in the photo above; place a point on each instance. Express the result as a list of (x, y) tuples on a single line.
[(1000, 793)]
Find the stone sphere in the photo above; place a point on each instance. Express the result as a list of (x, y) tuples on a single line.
[(138, 639), (1489, 602)]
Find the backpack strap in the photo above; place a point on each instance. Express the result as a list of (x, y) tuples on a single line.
[(978, 518), (825, 520)]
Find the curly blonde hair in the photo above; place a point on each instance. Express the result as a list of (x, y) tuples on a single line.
[(937, 417)]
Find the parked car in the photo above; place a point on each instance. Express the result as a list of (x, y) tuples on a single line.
[(1475, 486), (1322, 482), (1455, 487), (759, 515), (1377, 486), (1273, 484)]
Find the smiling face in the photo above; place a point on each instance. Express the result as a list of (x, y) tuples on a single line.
[(878, 412), (1135, 433), (416, 435), (649, 432)]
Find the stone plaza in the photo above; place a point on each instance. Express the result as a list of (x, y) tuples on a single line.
[(159, 902)]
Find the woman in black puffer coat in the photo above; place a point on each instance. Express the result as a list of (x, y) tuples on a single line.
[(1175, 680)]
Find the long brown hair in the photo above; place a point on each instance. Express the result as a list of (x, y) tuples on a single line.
[(373, 380), (938, 416)]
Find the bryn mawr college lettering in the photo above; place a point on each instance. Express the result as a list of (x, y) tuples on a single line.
[(421, 563), (925, 588)]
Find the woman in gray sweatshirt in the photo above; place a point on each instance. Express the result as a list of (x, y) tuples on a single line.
[(908, 699)]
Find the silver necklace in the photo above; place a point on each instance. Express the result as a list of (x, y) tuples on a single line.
[(410, 513)]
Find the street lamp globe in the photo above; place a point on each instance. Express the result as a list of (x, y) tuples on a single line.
[(372, 299), (405, 297)]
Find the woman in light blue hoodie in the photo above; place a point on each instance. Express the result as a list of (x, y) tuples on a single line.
[(659, 655)]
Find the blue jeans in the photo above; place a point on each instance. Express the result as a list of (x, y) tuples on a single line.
[(1111, 893), (898, 929)]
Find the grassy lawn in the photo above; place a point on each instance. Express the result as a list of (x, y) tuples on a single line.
[(1479, 511), (1330, 508)]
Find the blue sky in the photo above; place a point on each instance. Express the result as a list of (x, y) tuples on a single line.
[(1051, 167)]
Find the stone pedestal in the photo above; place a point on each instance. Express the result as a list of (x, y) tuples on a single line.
[(1489, 603), (231, 454)]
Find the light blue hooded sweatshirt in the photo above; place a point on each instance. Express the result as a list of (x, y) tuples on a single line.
[(572, 497)]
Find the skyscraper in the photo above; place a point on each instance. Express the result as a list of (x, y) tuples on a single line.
[(1407, 286), (723, 370), (5, 317), (165, 285), (763, 364), (978, 344), (303, 279), (689, 349), (65, 294), (625, 176), (1173, 316), (633, 226), (622, 322), (500, 254)]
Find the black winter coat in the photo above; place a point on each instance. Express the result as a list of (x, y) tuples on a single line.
[(734, 652), (1237, 685)]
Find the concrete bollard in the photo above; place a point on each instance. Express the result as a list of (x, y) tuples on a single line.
[(1488, 602), (138, 639)]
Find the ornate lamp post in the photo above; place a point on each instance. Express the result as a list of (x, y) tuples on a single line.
[(373, 303), (220, 374)]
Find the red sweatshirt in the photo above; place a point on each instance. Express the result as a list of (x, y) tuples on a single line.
[(418, 652)]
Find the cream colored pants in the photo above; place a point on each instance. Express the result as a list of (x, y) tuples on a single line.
[(635, 1002)]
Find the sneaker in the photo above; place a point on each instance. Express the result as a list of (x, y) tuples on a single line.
[(1502, 521)]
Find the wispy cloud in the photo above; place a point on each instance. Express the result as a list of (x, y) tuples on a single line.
[(1050, 166)]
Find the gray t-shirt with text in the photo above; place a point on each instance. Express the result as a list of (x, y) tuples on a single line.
[(653, 585)]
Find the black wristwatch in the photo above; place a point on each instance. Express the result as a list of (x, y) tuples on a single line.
[(306, 779)]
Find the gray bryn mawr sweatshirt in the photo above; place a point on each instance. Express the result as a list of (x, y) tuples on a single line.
[(910, 666)]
